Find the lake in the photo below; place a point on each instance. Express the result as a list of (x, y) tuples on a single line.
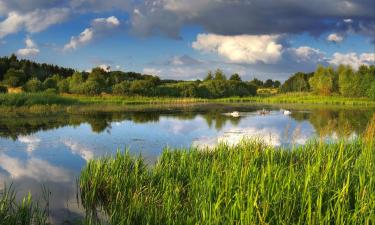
[(49, 151)]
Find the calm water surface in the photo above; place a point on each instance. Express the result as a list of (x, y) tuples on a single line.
[(51, 150)]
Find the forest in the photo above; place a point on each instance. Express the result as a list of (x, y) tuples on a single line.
[(29, 76)]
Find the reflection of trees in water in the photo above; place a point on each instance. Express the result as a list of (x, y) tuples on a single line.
[(12, 127), (342, 122), (218, 119)]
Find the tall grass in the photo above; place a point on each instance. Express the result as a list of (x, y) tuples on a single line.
[(250, 183), (32, 99), (25, 212)]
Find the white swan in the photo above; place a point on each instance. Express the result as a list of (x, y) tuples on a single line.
[(235, 114), (287, 112)]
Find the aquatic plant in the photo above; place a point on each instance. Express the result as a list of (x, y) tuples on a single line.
[(24, 212), (249, 183)]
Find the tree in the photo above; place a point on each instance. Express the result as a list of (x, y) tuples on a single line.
[(63, 86), (256, 82), (209, 76), (235, 77), (346, 80), (122, 88), (276, 84), (268, 83), (297, 83), (323, 81), (219, 75), (14, 78), (33, 85)]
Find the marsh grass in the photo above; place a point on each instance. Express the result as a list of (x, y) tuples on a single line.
[(24, 212), (34, 99), (249, 183)]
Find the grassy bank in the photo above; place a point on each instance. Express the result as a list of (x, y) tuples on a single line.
[(26, 100), (246, 184)]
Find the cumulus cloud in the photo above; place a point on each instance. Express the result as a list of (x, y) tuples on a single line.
[(353, 59), (34, 168), (306, 53), (32, 142), (34, 21), (262, 17), (86, 153), (152, 71), (30, 49), (334, 37), (241, 48), (98, 27)]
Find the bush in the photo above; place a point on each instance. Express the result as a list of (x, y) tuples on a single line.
[(63, 86), (33, 85), (90, 88), (122, 88)]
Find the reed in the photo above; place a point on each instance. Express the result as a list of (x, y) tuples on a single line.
[(250, 183), (24, 212)]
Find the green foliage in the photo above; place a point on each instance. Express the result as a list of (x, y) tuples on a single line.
[(26, 212), (323, 81), (235, 77), (14, 78), (30, 99), (122, 88), (63, 86), (371, 91), (297, 83), (219, 75), (249, 183), (33, 85), (209, 76)]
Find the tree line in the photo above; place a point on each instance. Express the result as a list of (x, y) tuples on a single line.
[(36, 77), (343, 80)]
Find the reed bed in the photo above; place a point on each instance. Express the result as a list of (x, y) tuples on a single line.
[(250, 183), (24, 212)]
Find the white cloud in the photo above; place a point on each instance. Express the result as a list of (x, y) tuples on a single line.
[(306, 53), (86, 153), (98, 27), (33, 22), (30, 49), (353, 59), (249, 49), (334, 37), (152, 71), (31, 141), (84, 37), (34, 168)]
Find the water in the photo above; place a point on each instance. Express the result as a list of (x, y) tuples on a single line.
[(50, 151)]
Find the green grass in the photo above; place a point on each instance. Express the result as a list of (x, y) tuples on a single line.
[(249, 183), (51, 102), (25, 212), (32, 99), (303, 98)]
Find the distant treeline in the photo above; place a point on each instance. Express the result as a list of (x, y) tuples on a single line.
[(343, 81), (36, 77)]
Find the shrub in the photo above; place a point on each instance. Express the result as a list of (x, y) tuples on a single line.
[(33, 85), (122, 88)]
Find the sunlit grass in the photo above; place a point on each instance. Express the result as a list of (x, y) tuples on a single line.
[(250, 183), (24, 212)]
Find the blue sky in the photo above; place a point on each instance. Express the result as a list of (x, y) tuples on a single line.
[(183, 39)]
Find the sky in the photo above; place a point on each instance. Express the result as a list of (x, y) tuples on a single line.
[(184, 39)]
